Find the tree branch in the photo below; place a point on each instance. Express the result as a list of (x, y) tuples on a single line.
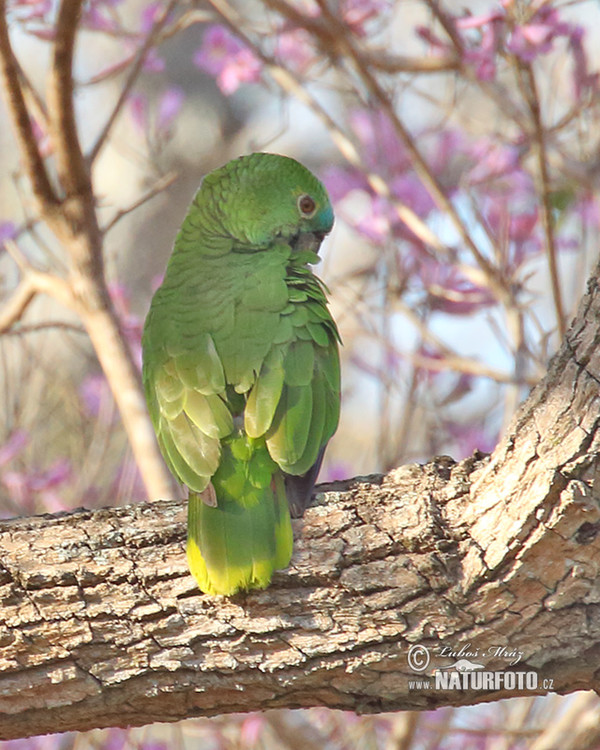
[(71, 164), (16, 305), (101, 623), (75, 223), (539, 147), (17, 110)]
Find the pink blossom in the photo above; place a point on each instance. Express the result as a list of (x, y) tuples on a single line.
[(295, 49), (151, 13), (96, 18), (131, 324), (438, 46), (375, 223), (45, 33), (223, 56), (492, 160), (156, 281), (217, 47), (522, 225), (58, 473), (535, 38), (477, 22), (483, 55), (31, 10), (469, 437), (409, 190), (96, 397), (138, 106), (340, 181), (450, 144), (583, 80), (589, 211), (379, 140), (527, 42), (568, 244), (450, 292), (16, 485), (336, 470), (13, 446), (8, 231), (243, 68), (45, 742), (28, 489), (357, 13), (169, 107), (153, 62), (251, 730), (42, 138)]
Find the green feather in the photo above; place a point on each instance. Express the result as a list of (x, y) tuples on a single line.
[(316, 437), (299, 363), (200, 368), (209, 413), (265, 395), (178, 463), (200, 452), (286, 439)]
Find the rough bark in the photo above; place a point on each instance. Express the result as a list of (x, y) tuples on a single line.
[(102, 625)]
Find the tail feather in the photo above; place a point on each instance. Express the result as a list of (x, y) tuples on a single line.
[(238, 544)]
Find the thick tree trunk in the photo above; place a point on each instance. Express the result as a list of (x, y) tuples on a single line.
[(102, 625)]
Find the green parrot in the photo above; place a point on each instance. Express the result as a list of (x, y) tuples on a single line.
[(241, 365)]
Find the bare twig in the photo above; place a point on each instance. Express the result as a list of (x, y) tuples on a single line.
[(17, 304), (539, 144), (71, 166), (495, 90), (568, 730), (134, 72), (466, 366), (159, 186), (35, 103), (52, 325), (17, 110), (33, 283)]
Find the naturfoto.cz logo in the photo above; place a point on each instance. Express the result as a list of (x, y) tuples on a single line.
[(464, 673)]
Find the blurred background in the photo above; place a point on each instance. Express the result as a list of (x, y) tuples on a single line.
[(460, 148)]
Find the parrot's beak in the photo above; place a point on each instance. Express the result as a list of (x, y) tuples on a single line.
[(308, 241)]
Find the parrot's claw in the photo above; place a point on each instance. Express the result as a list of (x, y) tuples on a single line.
[(209, 496)]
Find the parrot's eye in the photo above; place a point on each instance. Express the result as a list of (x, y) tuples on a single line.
[(306, 205)]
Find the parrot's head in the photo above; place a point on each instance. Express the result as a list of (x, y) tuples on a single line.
[(260, 198)]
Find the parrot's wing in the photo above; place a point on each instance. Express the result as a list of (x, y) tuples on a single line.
[(295, 400), (205, 353), (185, 391)]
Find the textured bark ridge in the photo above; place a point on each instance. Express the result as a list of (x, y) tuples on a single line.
[(102, 625)]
